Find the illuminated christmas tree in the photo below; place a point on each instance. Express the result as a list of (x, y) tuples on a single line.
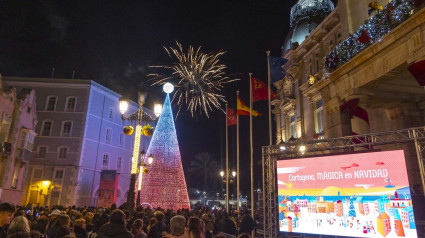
[(164, 185)]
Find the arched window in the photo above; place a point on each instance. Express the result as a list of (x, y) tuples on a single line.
[(46, 128), (62, 152), (66, 128), (51, 103), (70, 104)]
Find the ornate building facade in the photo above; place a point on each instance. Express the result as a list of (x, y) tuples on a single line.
[(18, 120), (348, 72)]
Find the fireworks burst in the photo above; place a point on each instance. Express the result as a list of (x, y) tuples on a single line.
[(198, 78)]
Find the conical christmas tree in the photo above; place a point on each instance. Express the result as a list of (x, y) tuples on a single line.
[(164, 185)]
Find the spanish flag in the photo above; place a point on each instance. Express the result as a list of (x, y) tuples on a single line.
[(243, 109)]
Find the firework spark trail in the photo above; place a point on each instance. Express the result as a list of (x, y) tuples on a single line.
[(200, 78)]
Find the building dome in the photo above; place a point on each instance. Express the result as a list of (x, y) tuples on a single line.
[(305, 16)]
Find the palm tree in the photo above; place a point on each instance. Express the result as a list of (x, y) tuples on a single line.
[(204, 166)]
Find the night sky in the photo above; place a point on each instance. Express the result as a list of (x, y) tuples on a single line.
[(114, 42)]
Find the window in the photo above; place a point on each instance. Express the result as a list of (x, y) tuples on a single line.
[(62, 152), (331, 45), (51, 103), (42, 151), (111, 114), (105, 160), (318, 116), (58, 174), (121, 140), (66, 128), (37, 173), (22, 139), (293, 132), (119, 163), (70, 104), (311, 67), (46, 128), (108, 135), (317, 63)]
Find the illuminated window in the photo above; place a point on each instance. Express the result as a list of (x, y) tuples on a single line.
[(42, 151), (293, 131), (105, 160), (108, 135), (46, 128), (62, 152), (119, 163), (70, 104), (66, 129), (51, 103), (318, 116)]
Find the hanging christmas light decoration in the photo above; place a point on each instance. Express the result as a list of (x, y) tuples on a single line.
[(394, 13)]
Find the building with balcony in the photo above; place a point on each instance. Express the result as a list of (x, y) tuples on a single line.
[(79, 139), (349, 73), (18, 120)]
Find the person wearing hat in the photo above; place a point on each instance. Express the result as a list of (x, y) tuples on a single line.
[(53, 216), (6, 216)]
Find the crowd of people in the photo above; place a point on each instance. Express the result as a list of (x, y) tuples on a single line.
[(113, 222)]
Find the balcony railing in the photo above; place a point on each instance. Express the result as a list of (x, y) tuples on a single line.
[(392, 15)]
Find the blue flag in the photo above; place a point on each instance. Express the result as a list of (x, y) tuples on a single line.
[(276, 71)]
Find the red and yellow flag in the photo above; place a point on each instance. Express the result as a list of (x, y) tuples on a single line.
[(260, 90), (243, 109), (231, 117)]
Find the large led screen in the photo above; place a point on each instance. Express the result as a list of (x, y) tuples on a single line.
[(356, 195)]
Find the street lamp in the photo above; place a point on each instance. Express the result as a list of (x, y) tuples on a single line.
[(138, 117), (142, 164), (225, 176)]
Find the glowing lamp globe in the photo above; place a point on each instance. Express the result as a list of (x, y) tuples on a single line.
[(168, 88), (128, 130)]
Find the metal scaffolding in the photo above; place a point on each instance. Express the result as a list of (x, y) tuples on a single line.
[(347, 144)]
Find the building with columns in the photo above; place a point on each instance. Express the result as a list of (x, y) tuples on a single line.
[(18, 120), (333, 88), (80, 143)]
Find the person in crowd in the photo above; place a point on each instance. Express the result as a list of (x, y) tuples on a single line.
[(41, 226), (80, 228), (137, 229), (195, 228), (177, 227), (59, 223), (19, 224), (208, 219), (226, 225), (159, 226), (247, 224), (116, 228), (6, 216)]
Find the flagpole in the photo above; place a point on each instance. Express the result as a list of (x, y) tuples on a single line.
[(251, 148), (270, 139), (227, 163), (237, 155), (269, 96)]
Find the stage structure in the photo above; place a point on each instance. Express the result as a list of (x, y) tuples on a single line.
[(413, 138), (164, 185)]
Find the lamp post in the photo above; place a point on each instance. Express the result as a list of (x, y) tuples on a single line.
[(225, 176), (142, 166), (138, 117)]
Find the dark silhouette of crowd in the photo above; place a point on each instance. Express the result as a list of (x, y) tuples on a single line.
[(113, 222)]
